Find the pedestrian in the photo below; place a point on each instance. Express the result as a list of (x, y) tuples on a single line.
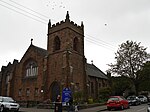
[(70, 109), (70, 101), (58, 98), (58, 104), (76, 108)]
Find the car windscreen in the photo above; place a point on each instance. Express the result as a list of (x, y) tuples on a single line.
[(131, 98), (140, 96), (7, 99), (113, 99)]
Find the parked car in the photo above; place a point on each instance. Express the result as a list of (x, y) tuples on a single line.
[(143, 98), (133, 100), (148, 98), (117, 102), (148, 108), (7, 103)]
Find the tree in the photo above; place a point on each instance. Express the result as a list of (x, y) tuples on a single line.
[(104, 94), (120, 85), (130, 58), (144, 77)]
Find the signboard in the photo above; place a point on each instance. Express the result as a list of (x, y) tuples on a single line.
[(66, 95)]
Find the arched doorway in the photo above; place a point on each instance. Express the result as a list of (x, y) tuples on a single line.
[(55, 91)]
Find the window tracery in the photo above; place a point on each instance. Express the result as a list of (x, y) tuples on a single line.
[(31, 69)]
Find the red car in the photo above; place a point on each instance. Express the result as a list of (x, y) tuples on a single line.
[(117, 102)]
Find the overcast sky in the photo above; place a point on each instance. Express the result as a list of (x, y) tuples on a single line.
[(107, 24)]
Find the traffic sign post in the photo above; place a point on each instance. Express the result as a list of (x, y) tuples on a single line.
[(66, 95)]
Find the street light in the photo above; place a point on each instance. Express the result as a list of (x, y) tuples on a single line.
[(42, 91)]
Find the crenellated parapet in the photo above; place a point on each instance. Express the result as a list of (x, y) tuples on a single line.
[(65, 24), (57, 24)]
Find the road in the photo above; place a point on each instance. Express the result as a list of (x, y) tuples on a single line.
[(139, 108)]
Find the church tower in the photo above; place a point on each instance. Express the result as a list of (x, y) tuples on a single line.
[(66, 60)]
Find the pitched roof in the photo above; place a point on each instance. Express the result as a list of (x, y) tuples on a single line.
[(92, 70), (41, 51)]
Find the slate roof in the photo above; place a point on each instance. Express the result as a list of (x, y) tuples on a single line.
[(92, 70), (41, 51)]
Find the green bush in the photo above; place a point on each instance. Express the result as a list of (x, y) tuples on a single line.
[(104, 94), (90, 100), (77, 97)]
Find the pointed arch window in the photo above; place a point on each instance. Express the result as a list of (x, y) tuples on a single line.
[(31, 69), (56, 43), (75, 44)]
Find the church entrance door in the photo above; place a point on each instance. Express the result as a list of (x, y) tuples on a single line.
[(55, 91)]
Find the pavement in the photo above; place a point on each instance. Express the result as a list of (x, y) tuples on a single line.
[(93, 109)]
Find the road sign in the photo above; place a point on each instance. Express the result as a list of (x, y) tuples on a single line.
[(66, 95)]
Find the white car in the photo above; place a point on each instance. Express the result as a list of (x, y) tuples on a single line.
[(143, 98), (7, 103)]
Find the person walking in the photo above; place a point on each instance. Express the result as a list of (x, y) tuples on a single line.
[(58, 104), (70, 105), (76, 108)]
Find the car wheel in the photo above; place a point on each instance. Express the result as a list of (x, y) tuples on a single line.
[(2, 109), (136, 103), (128, 106), (108, 108), (122, 107), (17, 110)]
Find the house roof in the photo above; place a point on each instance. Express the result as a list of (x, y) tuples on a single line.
[(92, 70)]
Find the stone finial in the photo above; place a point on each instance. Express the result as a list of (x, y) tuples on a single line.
[(82, 25), (31, 41), (67, 16), (92, 62), (49, 23)]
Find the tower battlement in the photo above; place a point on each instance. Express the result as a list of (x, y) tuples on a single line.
[(64, 24)]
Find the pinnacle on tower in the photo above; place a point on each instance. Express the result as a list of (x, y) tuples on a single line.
[(67, 16), (82, 24), (49, 23)]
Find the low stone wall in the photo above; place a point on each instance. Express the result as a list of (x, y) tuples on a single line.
[(28, 103), (46, 106), (81, 106)]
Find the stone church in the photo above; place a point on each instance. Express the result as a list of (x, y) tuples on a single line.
[(42, 74)]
